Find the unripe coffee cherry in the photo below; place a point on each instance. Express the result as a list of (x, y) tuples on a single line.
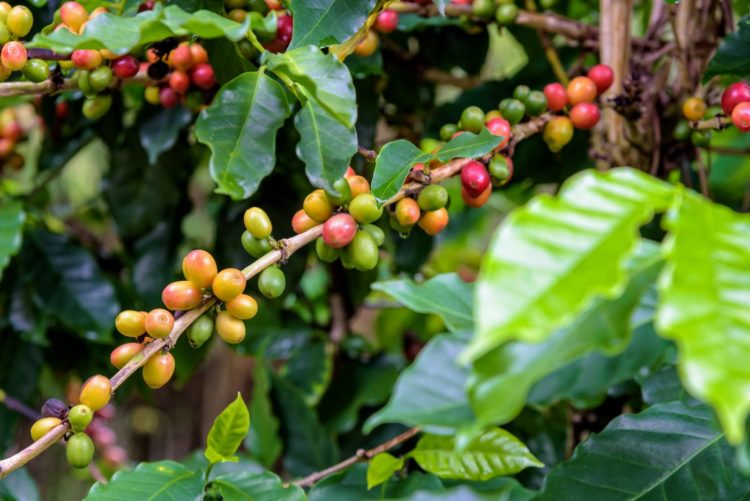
[(447, 131), (557, 96), (701, 138), (271, 282), (475, 178), (694, 108), (100, 78), (407, 212), (79, 417), (501, 170), (387, 21), (581, 90), (124, 354), (203, 76), (5, 8), (243, 307), (557, 133), (229, 328), (434, 222), (36, 70), (301, 222), (54, 408), (181, 57), (358, 185), (95, 107), (200, 331), (228, 284), (79, 451), (513, 110), (585, 115), (365, 209), (199, 267), (158, 370), (734, 94), (19, 21), (159, 323), (506, 13), (368, 45), (500, 127), (85, 59), (362, 252), (472, 119), (477, 201), (179, 81), (343, 192), (42, 426), (181, 295), (325, 253), (151, 95), (339, 230), (521, 91), (95, 392), (257, 222), (131, 323), (255, 247), (432, 197), (317, 206), (125, 67), (376, 233), (73, 14), (741, 116), (536, 103), (603, 76), (13, 56)]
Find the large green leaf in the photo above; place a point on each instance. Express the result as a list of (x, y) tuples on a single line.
[(240, 128), (160, 481), (264, 486), (392, 165), (327, 22), (263, 440), (381, 468), (705, 305), (226, 434), (670, 451), (493, 453), (445, 295), (309, 370), (552, 257), (731, 58), (12, 217), (326, 145), (432, 392)]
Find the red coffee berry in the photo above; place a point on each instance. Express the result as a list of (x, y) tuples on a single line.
[(179, 81), (581, 90), (477, 201), (433, 222), (736, 93), (168, 97), (124, 353), (13, 56), (499, 127), (199, 54), (387, 21), (85, 59), (407, 212), (159, 323), (181, 57), (125, 67), (339, 230), (301, 222), (284, 28), (557, 96), (199, 267), (741, 116), (181, 295), (585, 115), (475, 178), (603, 76), (203, 76)]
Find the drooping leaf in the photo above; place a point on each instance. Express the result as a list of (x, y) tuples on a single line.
[(264, 486), (493, 453), (327, 22), (159, 133), (469, 145), (552, 257), (445, 295), (240, 128), (160, 481), (263, 440), (705, 305), (731, 56), (381, 468), (228, 431), (12, 217), (669, 451), (392, 165)]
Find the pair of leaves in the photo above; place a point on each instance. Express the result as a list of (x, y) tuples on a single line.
[(12, 217)]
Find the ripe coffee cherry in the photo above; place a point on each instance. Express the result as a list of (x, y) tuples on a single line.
[(200, 331), (694, 108), (358, 185), (158, 370), (124, 354), (387, 21), (228, 284), (131, 323), (472, 119), (500, 127), (478, 201), (79, 451), (181, 295), (159, 323), (365, 209), (362, 252), (256, 247), (85, 59), (536, 103), (581, 90), (501, 170), (407, 212), (199, 267), (243, 307), (375, 232), (557, 96), (603, 76), (475, 178), (257, 222), (736, 93), (19, 21), (368, 45), (181, 57), (168, 97), (325, 253), (42, 426), (557, 133), (301, 222), (54, 408), (13, 56), (339, 230), (433, 222), (179, 81), (95, 392), (203, 76), (506, 14), (79, 417), (741, 116), (200, 56), (271, 282), (36, 70), (585, 115), (432, 197), (95, 107), (317, 206), (511, 109), (229, 328), (343, 192), (73, 14), (100, 78)]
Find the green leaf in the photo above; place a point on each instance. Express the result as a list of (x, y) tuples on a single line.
[(309, 370), (322, 76), (12, 217), (493, 453), (351, 484), (663, 386), (160, 481), (19, 486), (731, 58), (381, 468), (431, 393), (669, 451), (469, 145), (392, 165), (705, 305), (159, 133), (228, 431), (327, 22), (445, 295), (264, 486), (263, 440), (240, 129), (552, 257), (326, 146), (203, 24)]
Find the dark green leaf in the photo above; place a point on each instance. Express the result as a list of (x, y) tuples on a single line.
[(392, 165), (309, 370), (159, 133), (469, 145), (263, 440), (228, 431), (731, 58), (264, 486), (663, 386), (327, 22), (12, 217), (160, 481), (351, 484), (381, 468)]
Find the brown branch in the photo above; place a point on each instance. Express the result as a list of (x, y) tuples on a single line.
[(16, 405), (361, 455), (368, 155), (716, 123), (24, 88), (46, 54)]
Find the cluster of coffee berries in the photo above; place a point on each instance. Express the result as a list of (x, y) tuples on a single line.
[(144, 327), (15, 23), (386, 22), (182, 74), (12, 131), (736, 103)]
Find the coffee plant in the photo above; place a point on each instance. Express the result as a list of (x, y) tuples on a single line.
[(418, 249)]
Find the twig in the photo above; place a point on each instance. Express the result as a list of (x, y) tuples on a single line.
[(46, 54), (368, 155), (24, 88), (549, 50), (361, 455), (16, 405), (716, 123)]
